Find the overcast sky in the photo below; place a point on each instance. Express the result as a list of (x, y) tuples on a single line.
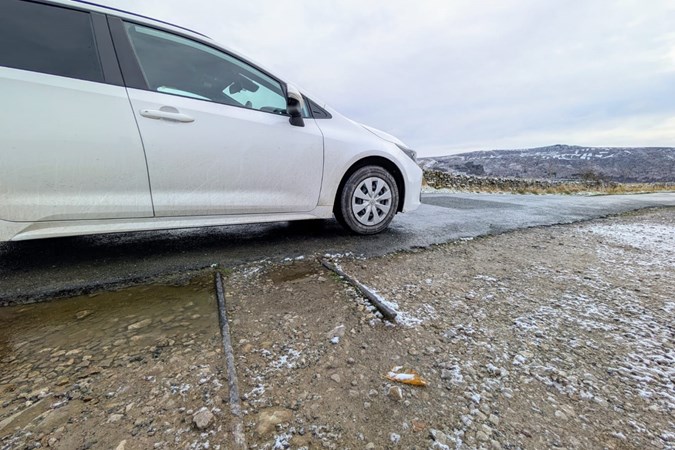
[(455, 75)]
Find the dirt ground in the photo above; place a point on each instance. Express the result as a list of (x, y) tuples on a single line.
[(548, 337)]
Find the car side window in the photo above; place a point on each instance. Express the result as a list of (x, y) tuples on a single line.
[(48, 39), (176, 65)]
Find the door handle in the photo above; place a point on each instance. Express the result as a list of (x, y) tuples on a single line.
[(166, 113)]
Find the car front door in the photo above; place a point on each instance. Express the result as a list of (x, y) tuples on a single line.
[(215, 129)]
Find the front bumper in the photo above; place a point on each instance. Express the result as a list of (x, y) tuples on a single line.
[(413, 188)]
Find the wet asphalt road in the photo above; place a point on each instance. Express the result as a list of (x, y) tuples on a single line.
[(35, 270)]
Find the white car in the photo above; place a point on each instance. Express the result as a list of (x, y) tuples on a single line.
[(115, 122)]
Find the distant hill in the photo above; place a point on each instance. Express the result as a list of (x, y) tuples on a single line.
[(564, 162)]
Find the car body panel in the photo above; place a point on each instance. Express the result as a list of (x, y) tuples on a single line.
[(70, 150)]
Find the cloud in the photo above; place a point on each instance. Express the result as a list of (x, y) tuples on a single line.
[(642, 131), (454, 75)]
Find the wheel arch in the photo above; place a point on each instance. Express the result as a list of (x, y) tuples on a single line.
[(386, 164)]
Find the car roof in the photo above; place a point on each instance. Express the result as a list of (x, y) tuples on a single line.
[(96, 7)]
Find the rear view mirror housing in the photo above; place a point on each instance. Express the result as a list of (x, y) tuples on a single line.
[(242, 83), (294, 105)]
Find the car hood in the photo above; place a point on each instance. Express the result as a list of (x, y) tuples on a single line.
[(385, 136)]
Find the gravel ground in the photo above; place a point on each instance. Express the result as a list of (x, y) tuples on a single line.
[(548, 337)]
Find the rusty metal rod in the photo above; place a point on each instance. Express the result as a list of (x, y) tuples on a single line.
[(235, 404), (386, 311)]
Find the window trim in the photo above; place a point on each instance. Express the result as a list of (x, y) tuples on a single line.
[(106, 52), (311, 102), (134, 77), (131, 70)]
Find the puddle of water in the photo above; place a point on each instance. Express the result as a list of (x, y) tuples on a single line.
[(94, 354), (93, 320), (292, 272)]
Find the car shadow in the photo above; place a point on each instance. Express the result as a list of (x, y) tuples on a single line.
[(30, 269)]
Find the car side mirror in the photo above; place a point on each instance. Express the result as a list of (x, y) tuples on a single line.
[(294, 106)]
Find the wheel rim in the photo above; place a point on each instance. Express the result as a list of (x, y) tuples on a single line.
[(371, 201)]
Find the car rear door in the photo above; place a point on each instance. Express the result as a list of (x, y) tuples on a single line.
[(214, 128), (69, 144)]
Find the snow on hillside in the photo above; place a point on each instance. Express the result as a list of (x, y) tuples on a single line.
[(640, 164)]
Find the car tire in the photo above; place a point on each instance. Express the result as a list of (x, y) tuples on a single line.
[(368, 201)]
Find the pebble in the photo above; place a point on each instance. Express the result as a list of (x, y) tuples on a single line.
[(202, 419), (335, 377), (438, 436), (395, 393), (82, 314), (138, 325), (338, 331), (112, 418), (270, 418), (418, 426)]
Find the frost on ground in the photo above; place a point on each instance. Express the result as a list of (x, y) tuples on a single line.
[(554, 337), (550, 337), (649, 369), (651, 244)]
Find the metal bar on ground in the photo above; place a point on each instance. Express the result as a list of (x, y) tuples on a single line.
[(386, 311), (235, 404)]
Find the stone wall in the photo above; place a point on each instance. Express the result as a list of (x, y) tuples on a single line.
[(460, 182), (444, 180)]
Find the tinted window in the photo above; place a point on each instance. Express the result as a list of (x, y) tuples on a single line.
[(175, 65), (48, 39)]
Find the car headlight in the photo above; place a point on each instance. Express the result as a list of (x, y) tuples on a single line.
[(408, 151)]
